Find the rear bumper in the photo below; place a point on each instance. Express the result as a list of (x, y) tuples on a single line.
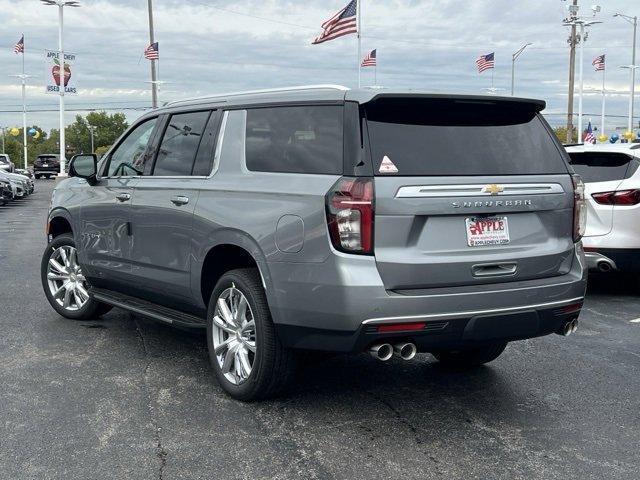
[(45, 170), (337, 306)]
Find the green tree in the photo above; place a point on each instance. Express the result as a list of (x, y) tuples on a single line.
[(561, 133), (107, 130), (35, 146)]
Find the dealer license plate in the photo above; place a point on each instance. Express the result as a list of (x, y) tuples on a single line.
[(483, 231), (45, 164)]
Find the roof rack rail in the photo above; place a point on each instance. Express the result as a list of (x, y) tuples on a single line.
[(257, 92)]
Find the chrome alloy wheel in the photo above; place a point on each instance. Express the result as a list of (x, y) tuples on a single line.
[(234, 335), (66, 283)]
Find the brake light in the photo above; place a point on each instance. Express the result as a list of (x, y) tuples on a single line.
[(623, 197), (350, 213), (579, 208)]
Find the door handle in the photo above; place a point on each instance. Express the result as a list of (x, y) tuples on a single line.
[(494, 269), (180, 200), (123, 197)]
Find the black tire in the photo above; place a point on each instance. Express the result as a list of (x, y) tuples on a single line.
[(91, 309), (47, 177), (273, 365), (37, 177), (471, 358)]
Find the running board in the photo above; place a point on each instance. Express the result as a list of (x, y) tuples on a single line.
[(147, 309)]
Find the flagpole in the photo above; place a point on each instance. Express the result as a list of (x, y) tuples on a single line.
[(24, 107), (359, 15), (604, 71)]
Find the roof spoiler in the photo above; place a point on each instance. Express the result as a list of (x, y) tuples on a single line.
[(534, 104)]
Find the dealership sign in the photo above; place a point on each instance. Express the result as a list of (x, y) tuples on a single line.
[(60, 73)]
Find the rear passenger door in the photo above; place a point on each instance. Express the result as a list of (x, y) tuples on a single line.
[(163, 207)]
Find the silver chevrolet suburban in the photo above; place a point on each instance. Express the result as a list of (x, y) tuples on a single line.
[(323, 218)]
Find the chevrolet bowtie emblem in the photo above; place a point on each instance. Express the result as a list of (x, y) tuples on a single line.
[(493, 189)]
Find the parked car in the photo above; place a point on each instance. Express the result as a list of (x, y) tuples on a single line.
[(6, 164), (29, 176), (46, 165), (322, 218), (20, 182), (612, 186), (6, 191)]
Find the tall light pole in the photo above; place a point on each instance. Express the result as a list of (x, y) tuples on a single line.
[(578, 21), (633, 21), (514, 57), (2, 129), (61, 4), (92, 130), (573, 14), (154, 79)]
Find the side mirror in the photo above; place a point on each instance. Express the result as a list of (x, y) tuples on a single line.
[(84, 166)]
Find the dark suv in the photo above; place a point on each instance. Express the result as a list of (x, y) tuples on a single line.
[(46, 165), (323, 218)]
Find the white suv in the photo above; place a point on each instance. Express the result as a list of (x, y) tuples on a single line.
[(612, 181)]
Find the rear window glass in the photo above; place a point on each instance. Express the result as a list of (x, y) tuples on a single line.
[(295, 139), (438, 137), (47, 158), (602, 166), (4, 159)]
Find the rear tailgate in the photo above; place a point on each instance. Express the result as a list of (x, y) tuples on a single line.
[(467, 193)]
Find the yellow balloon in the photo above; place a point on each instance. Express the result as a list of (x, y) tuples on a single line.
[(36, 135), (14, 132), (602, 138), (629, 135)]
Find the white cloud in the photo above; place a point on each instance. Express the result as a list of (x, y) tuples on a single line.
[(206, 47)]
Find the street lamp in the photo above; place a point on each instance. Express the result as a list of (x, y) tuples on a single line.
[(61, 4), (633, 21), (92, 130), (514, 57), (578, 21)]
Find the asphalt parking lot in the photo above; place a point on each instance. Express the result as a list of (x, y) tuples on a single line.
[(123, 397)]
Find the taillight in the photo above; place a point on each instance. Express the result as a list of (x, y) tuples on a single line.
[(579, 208), (350, 213), (623, 197)]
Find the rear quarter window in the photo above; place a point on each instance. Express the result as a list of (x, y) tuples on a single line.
[(304, 139), (603, 166), (429, 137)]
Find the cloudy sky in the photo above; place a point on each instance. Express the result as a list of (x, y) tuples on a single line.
[(210, 46)]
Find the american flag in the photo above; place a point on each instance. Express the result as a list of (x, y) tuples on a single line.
[(342, 23), (151, 52), (371, 59), (19, 47), (599, 63), (589, 137), (486, 62)]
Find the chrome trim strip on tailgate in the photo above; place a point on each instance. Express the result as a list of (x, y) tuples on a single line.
[(434, 191), (472, 313)]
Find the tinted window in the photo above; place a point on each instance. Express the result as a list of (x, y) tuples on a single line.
[(444, 137), (295, 139), (601, 166), (180, 142), (204, 159), (129, 157), (4, 160)]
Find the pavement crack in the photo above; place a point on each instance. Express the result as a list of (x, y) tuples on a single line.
[(161, 453), (401, 418)]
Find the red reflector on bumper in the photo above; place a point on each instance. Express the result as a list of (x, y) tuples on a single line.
[(576, 307), (401, 327)]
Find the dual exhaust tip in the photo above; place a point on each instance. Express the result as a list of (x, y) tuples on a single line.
[(569, 328), (384, 351)]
